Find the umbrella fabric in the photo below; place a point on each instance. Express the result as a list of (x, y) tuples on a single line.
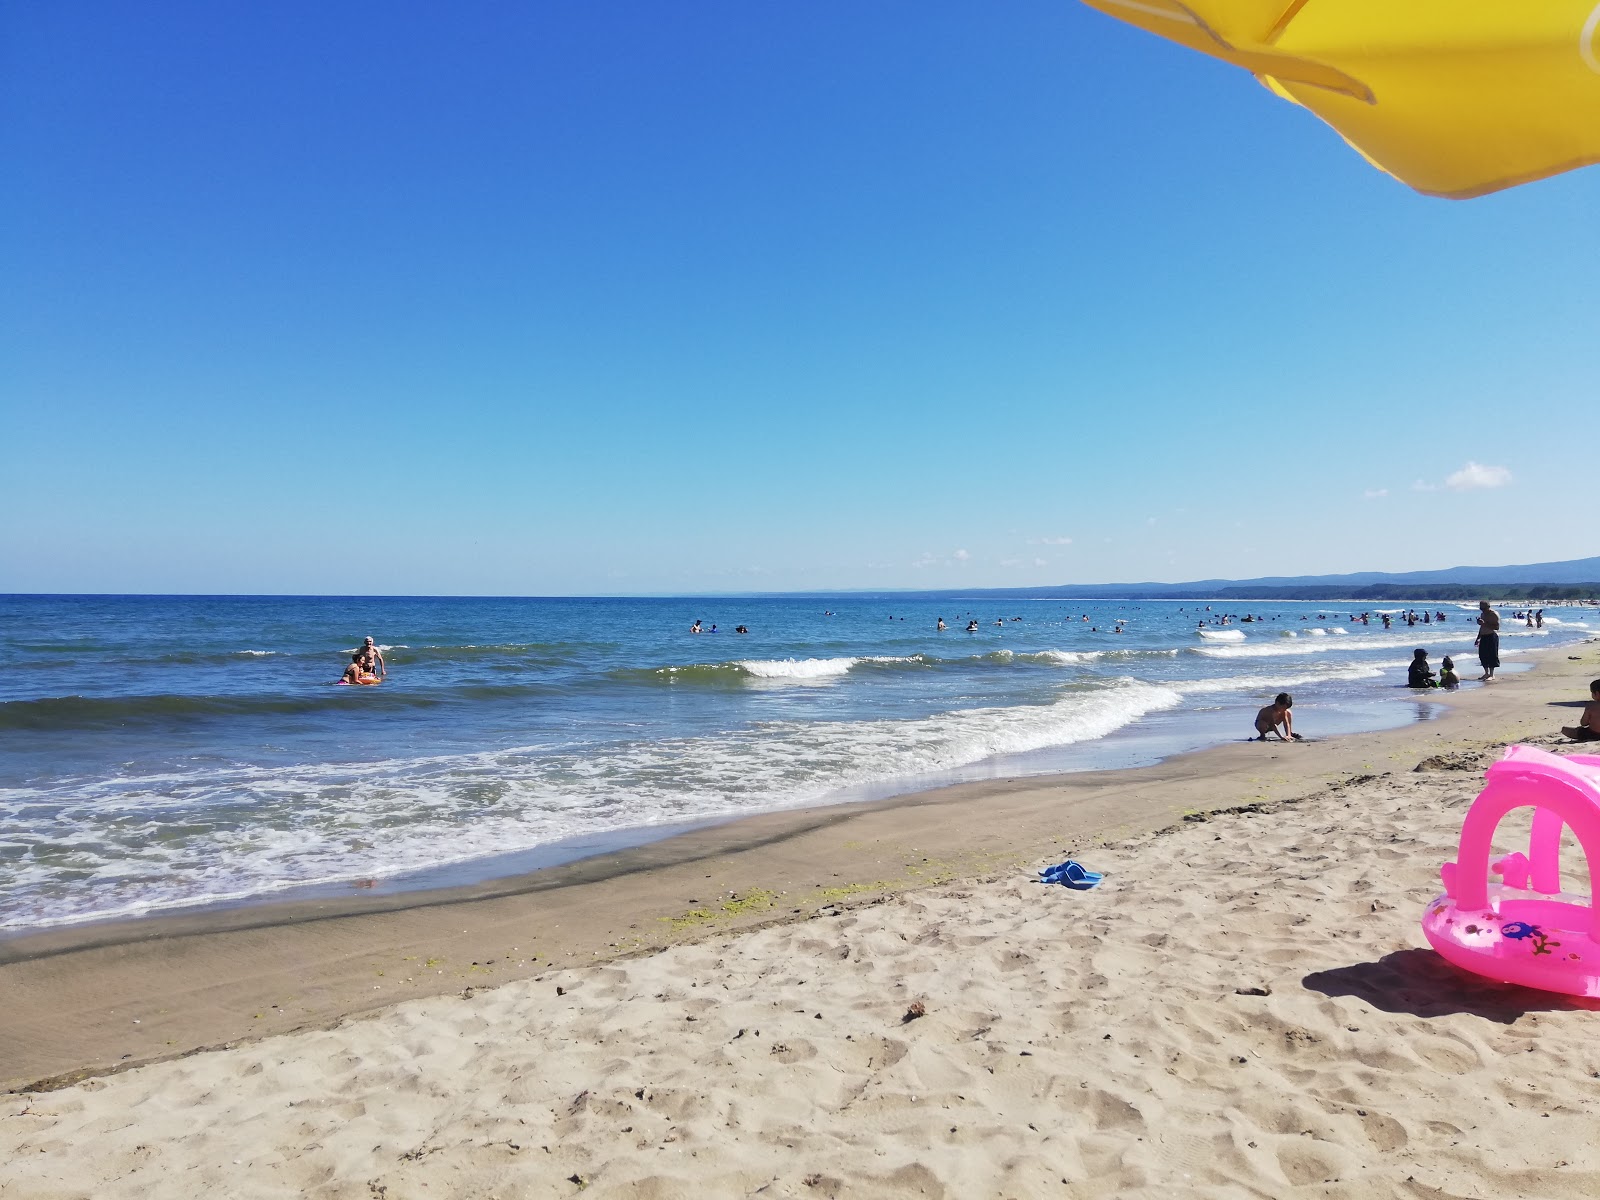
[(1456, 98)]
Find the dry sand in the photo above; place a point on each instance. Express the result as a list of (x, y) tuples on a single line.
[(1243, 1009)]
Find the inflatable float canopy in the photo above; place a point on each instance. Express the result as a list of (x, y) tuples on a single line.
[(1522, 928)]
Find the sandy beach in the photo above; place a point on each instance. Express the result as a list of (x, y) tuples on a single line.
[(873, 1000)]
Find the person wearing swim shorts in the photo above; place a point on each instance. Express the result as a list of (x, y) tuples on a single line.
[(1276, 718), (1488, 640), (371, 659)]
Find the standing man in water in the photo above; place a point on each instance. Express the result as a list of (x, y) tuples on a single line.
[(1488, 640), (372, 659)]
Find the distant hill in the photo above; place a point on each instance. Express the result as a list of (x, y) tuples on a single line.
[(1574, 579)]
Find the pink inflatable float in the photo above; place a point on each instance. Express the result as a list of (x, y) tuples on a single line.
[(1523, 928)]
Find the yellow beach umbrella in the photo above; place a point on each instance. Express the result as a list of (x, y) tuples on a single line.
[(1455, 97)]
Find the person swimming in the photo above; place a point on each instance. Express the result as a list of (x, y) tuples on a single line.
[(371, 659), (356, 673)]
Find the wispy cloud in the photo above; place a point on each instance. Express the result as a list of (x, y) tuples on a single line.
[(1375, 493), (1472, 477), (1476, 475), (930, 559), (1050, 541)]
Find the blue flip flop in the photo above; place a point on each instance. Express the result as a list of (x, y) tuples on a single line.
[(1071, 874)]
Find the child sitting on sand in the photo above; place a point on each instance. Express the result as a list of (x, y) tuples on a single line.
[(1588, 727), (1275, 714), (1420, 674), (1447, 674)]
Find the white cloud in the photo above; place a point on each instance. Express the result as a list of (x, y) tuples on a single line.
[(1421, 486), (1039, 562), (1476, 475), (1010, 562), (930, 559), (1050, 541), (1149, 520), (1375, 493)]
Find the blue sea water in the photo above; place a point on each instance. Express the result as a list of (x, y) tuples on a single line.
[(158, 752)]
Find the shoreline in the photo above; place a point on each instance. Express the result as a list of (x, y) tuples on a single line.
[(94, 1000), (1148, 740)]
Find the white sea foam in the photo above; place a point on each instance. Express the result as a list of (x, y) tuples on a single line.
[(1398, 643), (1222, 635), (1273, 680), (259, 653), (330, 822), (790, 668)]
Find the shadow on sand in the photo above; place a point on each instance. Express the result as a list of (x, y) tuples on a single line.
[(1422, 983)]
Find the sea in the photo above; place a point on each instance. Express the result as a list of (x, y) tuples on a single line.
[(163, 753)]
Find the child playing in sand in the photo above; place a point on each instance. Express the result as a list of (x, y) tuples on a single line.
[(1588, 727), (1420, 674), (1275, 714), (1447, 674)]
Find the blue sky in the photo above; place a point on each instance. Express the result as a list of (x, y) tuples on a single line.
[(561, 298)]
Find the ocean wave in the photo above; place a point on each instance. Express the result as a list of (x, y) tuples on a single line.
[(791, 668), (98, 712), (1398, 642), (1222, 635), (1270, 681), (331, 823), (259, 653)]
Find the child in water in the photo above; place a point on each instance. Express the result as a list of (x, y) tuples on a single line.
[(1274, 715), (1447, 674), (1420, 674), (1588, 727)]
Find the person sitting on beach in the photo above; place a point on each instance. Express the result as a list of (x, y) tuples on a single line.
[(1588, 727), (1276, 718), (371, 659), (1420, 674), (1447, 673)]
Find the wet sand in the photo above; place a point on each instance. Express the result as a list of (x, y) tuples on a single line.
[(1110, 1024)]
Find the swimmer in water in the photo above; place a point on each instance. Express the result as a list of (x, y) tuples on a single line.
[(372, 659)]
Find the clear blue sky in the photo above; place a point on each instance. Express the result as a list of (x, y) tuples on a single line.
[(638, 297)]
